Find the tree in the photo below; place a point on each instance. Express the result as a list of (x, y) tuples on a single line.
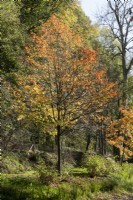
[(63, 77), (74, 16), (11, 36), (121, 132), (120, 23), (33, 11), (118, 19)]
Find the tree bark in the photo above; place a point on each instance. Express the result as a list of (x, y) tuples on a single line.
[(59, 149), (88, 141), (116, 153)]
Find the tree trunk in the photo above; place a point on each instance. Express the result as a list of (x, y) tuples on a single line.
[(58, 149), (100, 143), (96, 143), (105, 145), (88, 141), (116, 153)]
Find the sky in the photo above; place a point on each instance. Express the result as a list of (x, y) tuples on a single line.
[(91, 7)]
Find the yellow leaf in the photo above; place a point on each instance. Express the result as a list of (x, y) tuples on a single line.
[(20, 117), (36, 89), (27, 87)]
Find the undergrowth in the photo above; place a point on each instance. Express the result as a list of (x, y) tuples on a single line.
[(97, 175)]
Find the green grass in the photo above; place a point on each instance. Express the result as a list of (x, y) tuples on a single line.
[(124, 179), (74, 184), (78, 171), (13, 164), (29, 186)]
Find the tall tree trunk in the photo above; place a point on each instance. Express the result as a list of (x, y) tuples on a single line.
[(88, 141), (100, 142), (102, 136), (116, 153), (105, 145), (96, 143), (59, 149)]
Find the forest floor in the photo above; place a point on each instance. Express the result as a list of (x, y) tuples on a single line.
[(27, 186), (125, 197), (99, 179), (116, 197)]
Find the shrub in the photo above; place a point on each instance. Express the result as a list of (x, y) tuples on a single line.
[(12, 164), (46, 176), (124, 178), (99, 165)]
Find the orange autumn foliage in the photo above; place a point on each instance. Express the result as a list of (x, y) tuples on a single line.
[(65, 75), (120, 132)]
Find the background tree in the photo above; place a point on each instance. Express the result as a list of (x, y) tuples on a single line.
[(11, 36), (118, 19), (33, 11), (75, 18), (126, 137)]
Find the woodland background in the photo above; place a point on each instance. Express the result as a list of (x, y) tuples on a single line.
[(67, 99)]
